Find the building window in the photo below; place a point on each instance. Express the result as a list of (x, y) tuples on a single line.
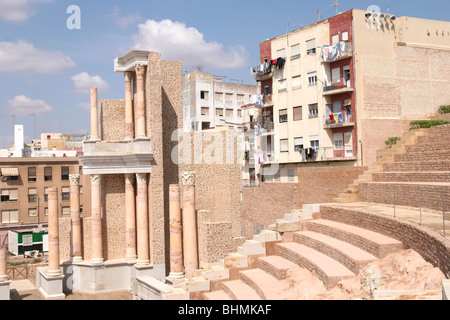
[(283, 116), (239, 113), (295, 51), (314, 141), (313, 111), (81, 209), (46, 194), (281, 85), (32, 195), (338, 141), (281, 53), (312, 79), (205, 111), (298, 144), (219, 112), (334, 39), (345, 36), (228, 98), (296, 82), (31, 174), (65, 211), (335, 75), (27, 239), (65, 173), (48, 174), (284, 145), (9, 195), (297, 113), (65, 193), (32, 212), (45, 211), (229, 113), (311, 46), (10, 216), (291, 175), (204, 95), (218, 97)]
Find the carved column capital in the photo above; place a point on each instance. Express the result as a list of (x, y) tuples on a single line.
[(96, 179), (188, 178), (128, 75), (140, 69), (141, 178), (130, 178), (74, 179)]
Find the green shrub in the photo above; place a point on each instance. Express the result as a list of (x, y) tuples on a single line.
[(444, 109), (391, 141), (416, 124)]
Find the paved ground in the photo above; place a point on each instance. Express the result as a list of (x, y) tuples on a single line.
[(24, 290)]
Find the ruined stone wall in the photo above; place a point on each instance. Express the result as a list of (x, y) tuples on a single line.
[(112, 119)]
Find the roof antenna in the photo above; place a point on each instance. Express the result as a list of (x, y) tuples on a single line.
[(336, 4), (318, 16)]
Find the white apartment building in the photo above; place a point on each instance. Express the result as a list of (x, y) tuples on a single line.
[(209, 102)]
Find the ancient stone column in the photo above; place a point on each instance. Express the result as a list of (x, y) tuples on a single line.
[(143, 248), (94, 114), (75, 217), (140, 101), (176, 240), (53, 233), (96, 220), (130, 217), (129, 121), (190, 247), (3, 263)]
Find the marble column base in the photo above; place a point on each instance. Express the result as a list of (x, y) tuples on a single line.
[(50, 285), (5, 290)]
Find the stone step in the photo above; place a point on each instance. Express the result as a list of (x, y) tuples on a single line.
[(372, 242), (430, 146), (329, 271), (216, 295), (345, 253), (414, 166), (238, 290), (251, 247), (265, 285), (406, 176), (235, 260), (276, 266), (422, 156)]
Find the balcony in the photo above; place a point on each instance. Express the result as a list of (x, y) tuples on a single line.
[(115, 157), (337, 123), (336, 89), (339, 51), (346, 153)]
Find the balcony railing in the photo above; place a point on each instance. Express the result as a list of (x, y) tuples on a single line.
[(347, 152), (336, 89), (339, 51), (347, 121)]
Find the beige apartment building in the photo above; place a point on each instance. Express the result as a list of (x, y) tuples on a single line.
[(210, 102), (334, 91), (24, 184)]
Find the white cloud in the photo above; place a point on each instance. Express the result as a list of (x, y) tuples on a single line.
[(22, 106), (17, 10), (123, 21), (178, 42), (83, 83), (23, 56), (86, 106)]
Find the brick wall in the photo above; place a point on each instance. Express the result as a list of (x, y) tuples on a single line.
[(429, 244)]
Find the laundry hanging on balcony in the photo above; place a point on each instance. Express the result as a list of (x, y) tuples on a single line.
[(331, 53)]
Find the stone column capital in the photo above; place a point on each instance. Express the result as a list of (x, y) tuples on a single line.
[(188, 178), (140, 69), (141, 178), (74, 179), (95, 179), (130, 178), (128, 75)]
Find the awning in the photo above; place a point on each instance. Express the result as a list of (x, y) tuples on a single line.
[(10, 172)]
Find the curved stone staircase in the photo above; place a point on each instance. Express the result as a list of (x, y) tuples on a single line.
[(336, 242)]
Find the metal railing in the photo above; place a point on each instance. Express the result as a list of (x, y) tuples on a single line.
[(433, 216), (328, 153)]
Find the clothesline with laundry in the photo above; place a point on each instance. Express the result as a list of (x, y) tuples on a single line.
[(331, 53), (267, 66)]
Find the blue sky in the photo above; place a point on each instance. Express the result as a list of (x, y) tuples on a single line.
[(47, 69)]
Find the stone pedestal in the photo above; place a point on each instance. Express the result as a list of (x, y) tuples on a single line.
[(49, 284)]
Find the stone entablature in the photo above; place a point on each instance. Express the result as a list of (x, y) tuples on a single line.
[(129, 61)]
